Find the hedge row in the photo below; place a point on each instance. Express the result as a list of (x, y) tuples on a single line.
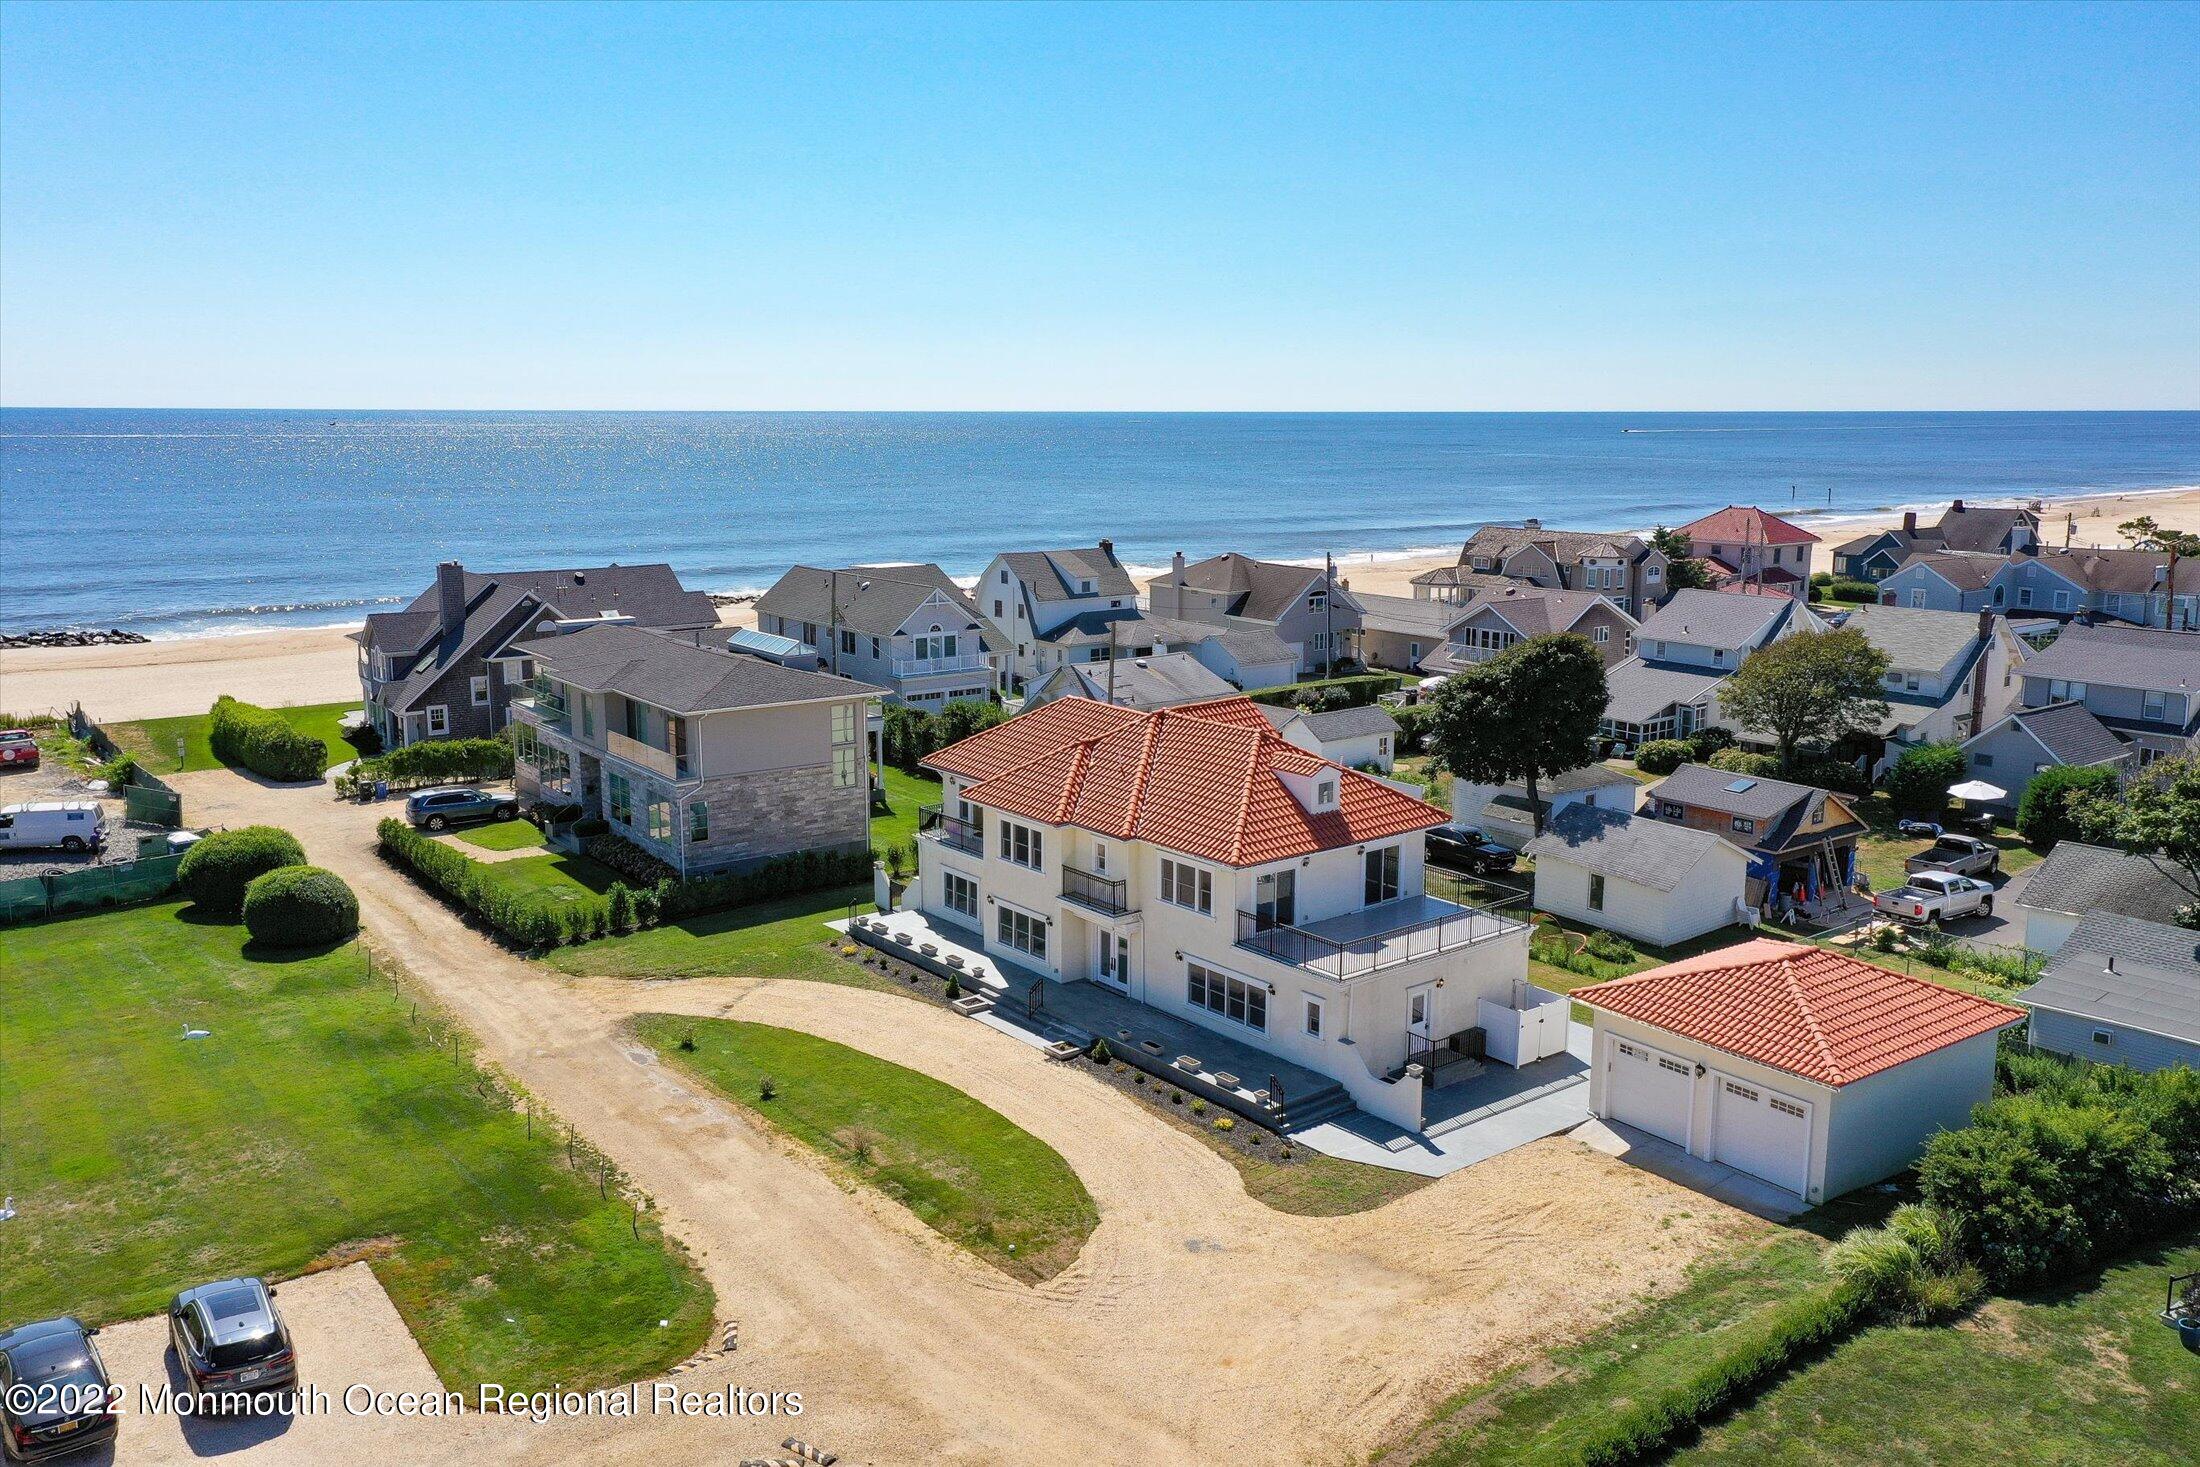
[(911, 733), (1328, 694), (432, 761), (255, 738), (532, 919)]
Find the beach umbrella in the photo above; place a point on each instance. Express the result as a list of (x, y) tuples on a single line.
[(1977, 789)]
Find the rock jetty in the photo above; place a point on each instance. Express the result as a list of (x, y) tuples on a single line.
[(71, 637)]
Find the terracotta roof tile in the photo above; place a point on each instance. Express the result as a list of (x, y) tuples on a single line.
[(1203, 778), (1823, 1015), (1745, 524)]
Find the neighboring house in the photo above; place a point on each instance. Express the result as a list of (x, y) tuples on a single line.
[(2013, 751), (2121, 991), (1624, 568), (1398, 631), (1806, 1068), (1031, 593), (444, 667), (1657, 883), (1490, 624), (2142, 682), (711, 760), (1301, 605), (2077, 878), (1989, 530), (2116, 584), (1943, 581), (1742, 544), (1192, 859), (1458, 585), (907, 628), (1160, 681), (1354, 737), (1669, 688), (1247, 656), (1949, 674), (1800, 839), (1502, 811)]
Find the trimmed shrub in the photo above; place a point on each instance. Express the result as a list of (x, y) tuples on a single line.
[(636, 865), (215, 872), (432, 761), (300, 906), (1741, 761), (1328, 694), (2045, 812), (1854, 592), (1917, 782), (1706, 741), (1663, 756), (254, 738)]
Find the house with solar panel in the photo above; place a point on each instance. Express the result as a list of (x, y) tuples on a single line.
[(1800, 840), (906, 628)]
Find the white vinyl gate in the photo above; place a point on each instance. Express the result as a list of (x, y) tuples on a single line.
[(1649, 1090), (1761, 1132)]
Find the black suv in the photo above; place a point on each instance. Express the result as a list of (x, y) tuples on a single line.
[(55, 1397), (228, 1337), (1468, 850)]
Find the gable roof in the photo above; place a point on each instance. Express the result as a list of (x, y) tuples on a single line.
[(1745, 524), (1139, 682), (1822, 1015), (1204, 779), (1981, 527), (1054, 575), (1915, 639), (2116, 570), (2067, 731), (1563, 546), (1639, 690), (1535, 611), (1713, 789), (874, 599), (1614, 843), (1963, 570), (2077, 877), (2121, 656), (1408, 616), (2123, 970), (1336, 723), (1717, 619), (1260, 590), (667, 670)]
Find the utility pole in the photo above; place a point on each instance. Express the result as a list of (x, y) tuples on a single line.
[(1111, 664), (1329, 611)]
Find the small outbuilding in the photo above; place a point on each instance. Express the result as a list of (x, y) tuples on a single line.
[(1657, 883), (1807, 1068), (1504, 814), (2077, 878), (2122, 991), (1358, 738)]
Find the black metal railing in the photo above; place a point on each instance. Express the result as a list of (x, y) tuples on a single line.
[(1407, 942), (1090, 889), (967, 836)]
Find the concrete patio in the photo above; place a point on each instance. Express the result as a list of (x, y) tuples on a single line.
[(1714, 1179)]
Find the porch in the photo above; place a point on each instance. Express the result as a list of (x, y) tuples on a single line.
[(1403, 930)]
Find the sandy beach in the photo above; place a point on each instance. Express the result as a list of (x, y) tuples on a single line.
[(319, 664)]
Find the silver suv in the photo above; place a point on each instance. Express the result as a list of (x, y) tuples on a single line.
[(228, 1337), (441, 809)]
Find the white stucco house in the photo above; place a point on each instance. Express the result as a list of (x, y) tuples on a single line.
[(1646, 879), (1806, 1068)]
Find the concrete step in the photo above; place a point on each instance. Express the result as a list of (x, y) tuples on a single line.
[(1302, 1111)]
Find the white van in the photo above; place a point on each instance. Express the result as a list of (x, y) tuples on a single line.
[(73, 825)]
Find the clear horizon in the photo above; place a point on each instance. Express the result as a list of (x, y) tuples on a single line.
[(1088, 209)]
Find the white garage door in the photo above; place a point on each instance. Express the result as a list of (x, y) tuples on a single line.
[(1761, 1132), (1649, 1090)]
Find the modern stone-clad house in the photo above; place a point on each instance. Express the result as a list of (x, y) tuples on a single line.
[(445, 667), (907, 628), (2077, 879), (2143, 683), (2014, 750), (1304, 607), (1398, 632), (709, 759), (1160, 681), (1030, 595), (1744, 545), (1684, 652), (2121, 991), (1801, 840), (1489, 624), (1974, 529), (1949, 674), (1655, 882)]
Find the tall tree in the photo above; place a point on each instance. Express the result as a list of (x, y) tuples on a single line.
[(2156, 813), (1528, 713), (1808, 689), (1684, 572), (2145, 534)]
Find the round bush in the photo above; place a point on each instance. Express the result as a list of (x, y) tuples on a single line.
[(216, 871), (1662, 756), (300, 906)]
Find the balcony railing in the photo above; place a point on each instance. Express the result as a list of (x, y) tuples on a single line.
[(1090, 889), (957, 834), (1407, 930), (648, 756), (926, 666)]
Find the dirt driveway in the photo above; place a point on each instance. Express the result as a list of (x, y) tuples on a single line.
[(1198, 1325)]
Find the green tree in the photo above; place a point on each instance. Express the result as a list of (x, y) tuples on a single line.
[(1813, 688), (1528, 713), (1684, 572), (2158, 812), (2046, 812), (2145, 534), (1917, 782)]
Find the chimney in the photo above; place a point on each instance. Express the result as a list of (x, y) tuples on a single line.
[(1176, 567), (1978, 671), (1531, 524), (1909, 522), (450, 596), (1956, 508), (1107, 548)]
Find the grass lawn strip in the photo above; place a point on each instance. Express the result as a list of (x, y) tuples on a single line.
[(782, 938), (502, 835), (317, 1120), (562, 878), (905, 794), (960, 1166), (153, 740)]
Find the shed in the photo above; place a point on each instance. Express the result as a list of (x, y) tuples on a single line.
[(1657, 883), (2077, 878)]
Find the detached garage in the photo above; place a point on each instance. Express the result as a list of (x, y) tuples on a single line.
[(1809, 1069)]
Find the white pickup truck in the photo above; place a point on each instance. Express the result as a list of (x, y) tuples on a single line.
[(1936, 896)]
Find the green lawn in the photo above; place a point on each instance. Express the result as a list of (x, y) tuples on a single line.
[(1880, 854), (566, 878), (503, 835), (782, 938), (153, 740), (967, 1172), (904, 793), (317, 1120)]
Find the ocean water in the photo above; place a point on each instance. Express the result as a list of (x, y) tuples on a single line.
[(185, 522)]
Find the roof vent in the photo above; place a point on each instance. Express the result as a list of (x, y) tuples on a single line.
[(580, 578), (1741, 786)]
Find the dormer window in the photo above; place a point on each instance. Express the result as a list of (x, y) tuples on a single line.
[(1085, 587), (1325, 795)]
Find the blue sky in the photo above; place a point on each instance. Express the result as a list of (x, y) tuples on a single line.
[(1133, 207)]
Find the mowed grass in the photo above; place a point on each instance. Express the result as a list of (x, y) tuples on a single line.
[(153, 741), (564, 878), (960, 1166), (782, 938), (502, 835), (1880, 854), (905, 794), (317, 1120)]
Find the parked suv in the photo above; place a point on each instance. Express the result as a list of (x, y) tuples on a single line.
[(228, 1337), (1467, 850), (18, 749), (440, 809), (55, 1397)]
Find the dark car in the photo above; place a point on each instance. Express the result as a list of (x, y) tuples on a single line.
[(1468, 850), (441, 809), (55, 1397), (228, 1337)]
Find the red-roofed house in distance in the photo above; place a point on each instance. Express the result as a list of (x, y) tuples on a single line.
[(1192, 859), (1810, 1069), (1749, 548)]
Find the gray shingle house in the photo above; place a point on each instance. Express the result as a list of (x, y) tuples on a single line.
[(1693, 643), (2121, 991), (1623, 568), (709, 759), (1032, 594), (1302, 606), (2143, 683), (445, 666), (907, 628), (2014, 751), (1983, 529), (1949, 673), (2077, 879), (1490, 624), (1160, 681), (2106, 583)]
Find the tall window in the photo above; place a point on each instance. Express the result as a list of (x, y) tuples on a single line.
[(479, 687), (962, 894), (1023, 932), (942, 645), (622, 802), (698, 823), (1184, 885), (1233, 998), (846, 755), (660, 820), (1382, 875), (1021, 845), (1596, 892)]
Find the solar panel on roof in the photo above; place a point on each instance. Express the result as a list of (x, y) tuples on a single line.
[(1741, 786)]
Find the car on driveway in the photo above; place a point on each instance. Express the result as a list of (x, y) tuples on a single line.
[(55, 1395), (1468, 850), (18, 749), (1932, 897), (229, 1337), (442, 809), (1965, 855)]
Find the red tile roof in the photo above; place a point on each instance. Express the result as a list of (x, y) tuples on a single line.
[(1823, 1015), (1745, 524), (1205, 779)]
